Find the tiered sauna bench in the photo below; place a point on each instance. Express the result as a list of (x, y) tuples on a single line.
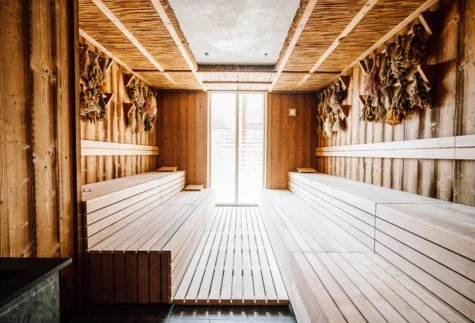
[(355, 252), (234, 263), (141, 233)]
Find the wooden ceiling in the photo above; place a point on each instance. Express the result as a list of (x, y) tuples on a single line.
[(326, 38)]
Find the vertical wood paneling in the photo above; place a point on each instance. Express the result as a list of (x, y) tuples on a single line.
[(183, 133), (38, 136), (114, 129), (465, 170), (451, 48), (289, 139)]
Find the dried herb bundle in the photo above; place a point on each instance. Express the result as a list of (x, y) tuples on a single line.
[(367, 113), (399, 64), (385, 72), (416, 51), (399, 106), (89, 104), (92, 104), (135, 92), (328, 126), (373, 83), (83, 60), (420, 97), (150, 110), (340, 92), (102, 77), (379, 110), (329, 114), (135, 119)]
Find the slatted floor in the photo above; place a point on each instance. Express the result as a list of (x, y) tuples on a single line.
[(234, 263)]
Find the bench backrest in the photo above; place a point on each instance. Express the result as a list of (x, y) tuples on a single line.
[(111, 205)]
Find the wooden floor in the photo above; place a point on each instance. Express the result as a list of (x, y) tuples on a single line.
[(234, 263)]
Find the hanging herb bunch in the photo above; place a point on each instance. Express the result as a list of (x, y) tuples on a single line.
[(385, 73), (399, 107), (420, 98), (93, 83), (330, 117), (399, 64), (385, 96), (150, 110), (416, 52), (143, 112)]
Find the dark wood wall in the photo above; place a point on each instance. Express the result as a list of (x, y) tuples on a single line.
[(38, 133), (451, 48), (290, 140), (183, 133)]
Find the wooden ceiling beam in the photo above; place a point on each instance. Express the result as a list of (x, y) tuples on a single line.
[(187, 55), (386, 37), (295, 37), (353, 23), (99, 46), (394, 31), (106, 11), (237, 82)]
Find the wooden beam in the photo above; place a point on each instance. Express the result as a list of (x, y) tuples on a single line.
[(236, 68), (96, 44), (176, 38), (393, 32), (132, 38), (237, 82), (450, 148), (295, 37), (354, 22), (386, 37), (100, 148)]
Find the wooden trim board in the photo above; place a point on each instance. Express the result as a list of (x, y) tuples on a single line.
[(450, 148), (167, 169), (102, 148)]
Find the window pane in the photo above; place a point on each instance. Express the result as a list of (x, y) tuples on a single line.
[(223, 149), (251, 152)]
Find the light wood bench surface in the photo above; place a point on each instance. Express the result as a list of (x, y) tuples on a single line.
[(362, 287), (141, 233), (425, 244)]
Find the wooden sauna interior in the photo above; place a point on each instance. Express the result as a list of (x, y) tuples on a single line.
[(66, 135)]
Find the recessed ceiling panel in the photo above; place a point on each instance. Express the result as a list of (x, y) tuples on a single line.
[(235, 32)]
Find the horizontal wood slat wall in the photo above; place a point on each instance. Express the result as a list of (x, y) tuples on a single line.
[(183, 133), (289, 139), (450, 148), (113, 129), (104, 148), (453, 115)]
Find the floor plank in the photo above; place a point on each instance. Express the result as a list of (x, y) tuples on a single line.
[(234, 264)]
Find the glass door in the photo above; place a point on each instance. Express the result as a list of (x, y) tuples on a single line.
[(237, 146)]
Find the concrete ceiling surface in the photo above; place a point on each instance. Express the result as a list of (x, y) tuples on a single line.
[(235, 31)]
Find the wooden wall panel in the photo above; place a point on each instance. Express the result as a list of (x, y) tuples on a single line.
[(289, 139), (451, 48), (114, 129), (38, 138), (183, 133)]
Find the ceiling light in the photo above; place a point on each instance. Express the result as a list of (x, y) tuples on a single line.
[(265, 54)]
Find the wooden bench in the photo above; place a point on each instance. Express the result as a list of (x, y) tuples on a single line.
[(296, 227), (361, 287), (428, 240), (143, 251)]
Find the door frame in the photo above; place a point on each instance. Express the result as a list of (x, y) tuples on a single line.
[(238, 119)]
